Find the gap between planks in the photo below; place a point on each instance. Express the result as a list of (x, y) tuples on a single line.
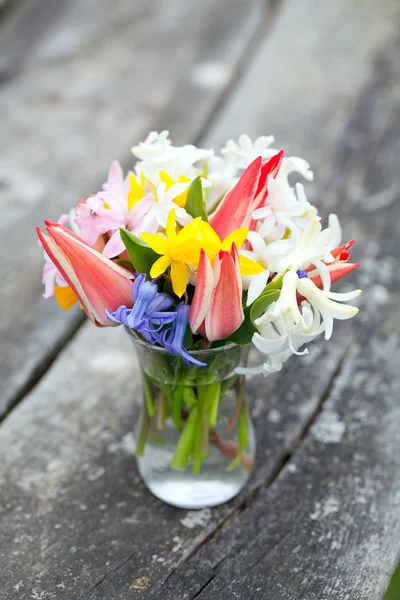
[(250, 50)]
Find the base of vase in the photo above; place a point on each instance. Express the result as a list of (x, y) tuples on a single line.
[(184, 489), (191, 491)]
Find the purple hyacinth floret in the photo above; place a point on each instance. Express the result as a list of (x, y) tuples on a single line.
[(172, 338), (148, 315), (301, 274)]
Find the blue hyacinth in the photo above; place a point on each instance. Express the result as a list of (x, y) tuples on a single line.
[(150, 317)]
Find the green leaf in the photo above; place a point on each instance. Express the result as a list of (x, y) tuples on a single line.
[(275, 284), (260, 305), (140, 253), (194, 203), (126, 264)]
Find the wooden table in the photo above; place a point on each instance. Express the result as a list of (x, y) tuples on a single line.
[(80, 82)]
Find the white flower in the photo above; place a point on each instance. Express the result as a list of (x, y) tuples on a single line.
[(268, 256), (222, 175), (328, 303), (277, 344), (313, 246), (244, 151), (286, 212), (334, 226), (163, 204), (285, 309), (157, 153)]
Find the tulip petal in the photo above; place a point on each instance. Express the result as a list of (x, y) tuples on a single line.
[(235, 209), (98, 282), (269, 168), (336, 271), (203, 293), (226, 313)]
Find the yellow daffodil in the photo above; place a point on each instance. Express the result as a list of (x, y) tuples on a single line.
[(65, 296), (181, 250), (169, 182), (212, 244), (136, 190)]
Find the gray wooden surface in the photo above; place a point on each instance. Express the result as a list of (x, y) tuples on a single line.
[(320, 518)]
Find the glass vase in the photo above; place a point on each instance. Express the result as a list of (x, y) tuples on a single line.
[(195, 443)]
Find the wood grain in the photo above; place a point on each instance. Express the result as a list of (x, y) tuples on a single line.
[(95, 82), (76, 520), (329, 526)]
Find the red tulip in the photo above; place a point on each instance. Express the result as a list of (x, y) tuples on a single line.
[(249, 193), (98, 282), (338, 268)]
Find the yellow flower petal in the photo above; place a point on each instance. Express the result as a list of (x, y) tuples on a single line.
[(157, 242), (248, 266), (190, 231), (160, 266), (170, 227), (236, 237), (65, 296), (136, 191), (182, 198), (183, 179), (165, 178), (179, 276)]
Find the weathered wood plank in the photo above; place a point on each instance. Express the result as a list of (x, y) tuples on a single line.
[(98, 80), (72, 465), (329, 526), (22, 24)]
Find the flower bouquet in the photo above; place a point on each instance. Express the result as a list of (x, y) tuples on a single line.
[(199, 256)]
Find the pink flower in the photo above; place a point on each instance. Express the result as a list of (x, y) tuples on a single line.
[(116, 181), (216, 307), (97, 281), (109, 210)]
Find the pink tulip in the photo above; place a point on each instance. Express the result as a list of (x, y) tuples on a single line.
[(98, 282), (216, 308), (249, 193)]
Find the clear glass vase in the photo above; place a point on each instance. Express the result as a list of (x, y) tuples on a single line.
[(195, 443)]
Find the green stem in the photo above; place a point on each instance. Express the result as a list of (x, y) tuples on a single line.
[(185, 444), (161, 412), (238, 405), (198, 438), (243, 427), (214, 392), (148, 396), (177, 397), (145, 422)]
